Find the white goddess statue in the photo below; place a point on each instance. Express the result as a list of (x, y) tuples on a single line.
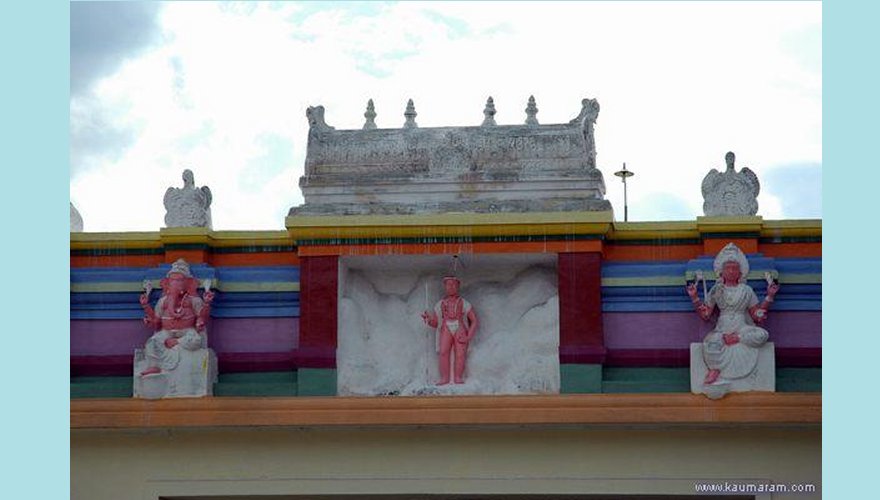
[(731, 349)]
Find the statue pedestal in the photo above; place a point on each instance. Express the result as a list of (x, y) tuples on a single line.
[(762, 379), (194, 376)]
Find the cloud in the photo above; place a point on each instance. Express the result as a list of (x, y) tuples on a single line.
[(103, 37), (225, 93), (105, 34)]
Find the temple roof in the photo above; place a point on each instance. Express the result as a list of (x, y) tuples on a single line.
[(474, 169)]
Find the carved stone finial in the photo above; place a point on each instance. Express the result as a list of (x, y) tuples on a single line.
[(531, 111), (370, 115), (730, 192), (589, 113), (188, 206), (76, 221), (410, 115), (315, 115), (489, 113), (587, 119)]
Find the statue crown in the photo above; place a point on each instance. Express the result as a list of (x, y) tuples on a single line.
[(180, 266)]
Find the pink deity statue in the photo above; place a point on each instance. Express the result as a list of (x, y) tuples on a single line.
[(456, 323), (730, 350), (179, 319)]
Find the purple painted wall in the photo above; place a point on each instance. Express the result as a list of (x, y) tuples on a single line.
[(226, 335), (676, 330)]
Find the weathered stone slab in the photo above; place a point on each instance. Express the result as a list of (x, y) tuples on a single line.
[(508, 168)]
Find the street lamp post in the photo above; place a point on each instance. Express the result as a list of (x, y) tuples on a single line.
[(623, 174)]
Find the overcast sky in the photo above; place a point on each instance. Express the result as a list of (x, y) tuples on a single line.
[(222, 88)]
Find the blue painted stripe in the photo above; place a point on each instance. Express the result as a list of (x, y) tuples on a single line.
[(226, 305), (799, 297), (289, 274), (642, 269), (261, 274), (757, 262), (799, 266)]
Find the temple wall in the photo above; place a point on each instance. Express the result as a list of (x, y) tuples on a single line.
[(625, 312), (229, 464)]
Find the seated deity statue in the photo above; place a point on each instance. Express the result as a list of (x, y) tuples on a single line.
[(188, 206), (456, 324), (731, 350), (176, 360)]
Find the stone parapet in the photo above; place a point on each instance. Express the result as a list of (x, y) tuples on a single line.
[(486, 169)]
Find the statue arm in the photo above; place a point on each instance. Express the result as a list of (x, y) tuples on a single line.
[(431, 317), (703, 310), (151, 317), (473, 323), (757, 311), (203, 310)]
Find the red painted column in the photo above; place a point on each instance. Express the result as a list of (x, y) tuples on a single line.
[(318, 293), (581, 335)]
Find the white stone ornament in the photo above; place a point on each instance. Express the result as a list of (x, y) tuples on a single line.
[(315, 115), (370, 115), (410, 115), (730, 193), (489, 113), (188, 206), (587, 119), (531, 111), (76, 221)]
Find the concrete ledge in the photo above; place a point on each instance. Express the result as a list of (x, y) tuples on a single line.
[(580, 409)]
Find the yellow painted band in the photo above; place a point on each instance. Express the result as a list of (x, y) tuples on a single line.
[(448, 225)]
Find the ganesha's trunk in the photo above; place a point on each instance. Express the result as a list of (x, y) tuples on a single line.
[(176, 300)]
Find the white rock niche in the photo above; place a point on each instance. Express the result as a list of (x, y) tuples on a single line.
[(384, 348)]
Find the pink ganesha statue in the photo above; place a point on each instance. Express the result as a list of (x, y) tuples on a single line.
[(735, 354), (456, 324), (175, 361)]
